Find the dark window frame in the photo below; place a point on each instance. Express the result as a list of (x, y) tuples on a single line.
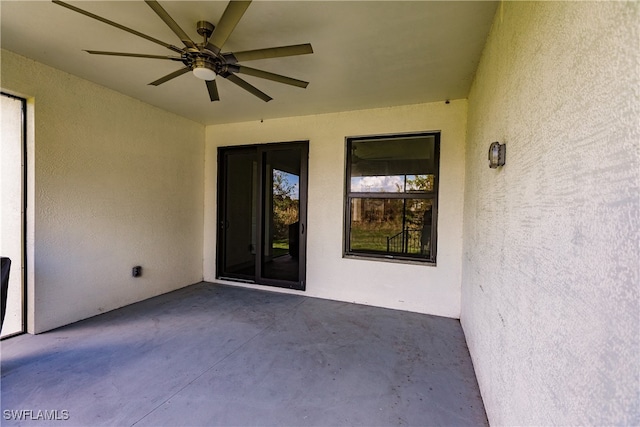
[(432, 196)]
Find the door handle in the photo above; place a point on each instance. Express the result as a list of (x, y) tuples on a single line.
[(301, 228)]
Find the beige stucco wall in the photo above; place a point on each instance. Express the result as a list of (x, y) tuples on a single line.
[(550, 287), (117, 183), (419, 288)]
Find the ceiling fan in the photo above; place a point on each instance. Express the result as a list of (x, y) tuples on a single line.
[(206, 59)]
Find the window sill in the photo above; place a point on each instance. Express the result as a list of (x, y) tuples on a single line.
[(393, 260)]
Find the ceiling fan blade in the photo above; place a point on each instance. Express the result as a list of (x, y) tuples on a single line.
[(115, 24), (134, 55), (230, 18), (170, 76), (271, 52), (212, 87), (159, 10), (270, 76), (249, 88)]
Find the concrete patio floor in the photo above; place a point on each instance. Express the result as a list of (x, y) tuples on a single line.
[(211, 354)]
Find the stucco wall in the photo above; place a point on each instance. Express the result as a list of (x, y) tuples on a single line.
[(550, 287), (419, 288), (118, 183)]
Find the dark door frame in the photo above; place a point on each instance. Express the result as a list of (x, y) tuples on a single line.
[(260, 151)]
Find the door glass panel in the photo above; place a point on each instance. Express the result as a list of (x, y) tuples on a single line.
[(239, 221), (11, 212), (281, 221)]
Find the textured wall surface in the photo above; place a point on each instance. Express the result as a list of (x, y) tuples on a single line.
[(420, 288), (550, 288), (118, 183)]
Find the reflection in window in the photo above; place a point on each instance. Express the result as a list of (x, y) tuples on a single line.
[(286, 211), (397, 226), (392, 184), (392, 194)]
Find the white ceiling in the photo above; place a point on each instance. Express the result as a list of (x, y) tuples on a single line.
[(367, 54)]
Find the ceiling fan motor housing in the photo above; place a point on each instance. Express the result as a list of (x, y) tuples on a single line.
[(205, 29), (204, 63)]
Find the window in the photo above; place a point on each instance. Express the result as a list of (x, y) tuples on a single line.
[(391, 196)]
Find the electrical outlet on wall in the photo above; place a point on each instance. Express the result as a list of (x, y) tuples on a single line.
[(136, 271)]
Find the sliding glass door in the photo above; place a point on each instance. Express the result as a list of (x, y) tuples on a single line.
[(262, 214), (238, 220), (12, 213)]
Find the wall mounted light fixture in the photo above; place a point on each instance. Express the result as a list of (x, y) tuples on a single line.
[(497, 153)]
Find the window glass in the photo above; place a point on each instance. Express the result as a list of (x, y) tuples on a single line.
[(392, 183), (391, 196), (400, 226)]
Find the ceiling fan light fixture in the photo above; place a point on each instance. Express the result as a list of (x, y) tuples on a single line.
[(203, 69), (204, 73)]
